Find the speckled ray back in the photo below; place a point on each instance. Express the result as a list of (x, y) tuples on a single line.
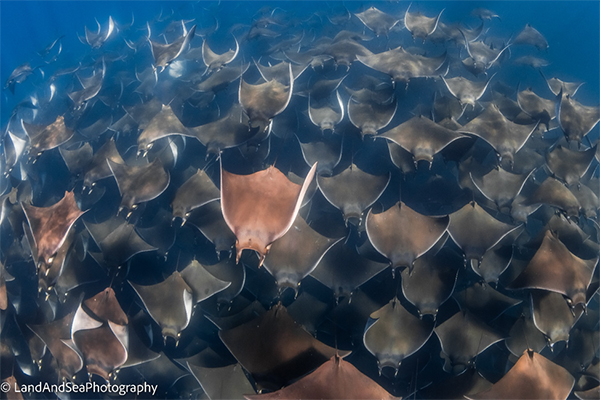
[(532, 377), (50, 225), (335, 379), (377, 21), (419, 25), (259, 208), (46, 137), (575, 119)]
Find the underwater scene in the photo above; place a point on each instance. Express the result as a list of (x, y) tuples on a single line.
[(299, 200)]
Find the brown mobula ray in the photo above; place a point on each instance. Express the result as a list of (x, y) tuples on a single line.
[(419, 25), (163, 124), (264, 101), (524, 335), (101, 334), (569, 165), (475, 231), (395, 334), (485, 302), (342, 269), (466, 91), (296, 254), (56, 335), (587, 199), (501, 186), (555, 268), (228, 382), (230, 131), (503, 135), (554, 193), (138, 184), (403, 235), (532, 377), (165, 53), (50, 225), (352, 191), (537, 107), (335, 379), (46, 137), (370, 116), (431, 281), (117, 240), (98, 167), (282, 350), (402, 65), (553, 316), (422, 137), (214, 61), (575, 119), (195, 192), (377, 21), (463, 337), (260, 208)]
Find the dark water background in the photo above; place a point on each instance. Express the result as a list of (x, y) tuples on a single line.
[(572, 29)]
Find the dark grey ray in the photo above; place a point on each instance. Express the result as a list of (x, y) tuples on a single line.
[(419, 25), (14, 148), (220, 79), (401, 158), (485, 302), (117, 240), (554, 193), (214, 61), (158, 231), (422, 137), (242, 311), (228, 382), (202, 282), (538, 108), (393, 233), (569, 233), (510, 109), (534, 62), (455, 33), (370, 116), (76, 273), (165, 53), (501, 186), (395, 334), (456, 387), (198, 190), (97, 39), (431, 281), (481, 56), (163, 124), (463, 337), (352, 191), (575, 119), (377, 21), (308, 311), (588, 200), (504, 136), (555, 268), (169, 303), (98, 168), (342, 269), (227, 270), (484, 14), (138, 184), (465, 90), (280, 72), (46, 137), (569, 165), (230, 131), (296, 254), (475, 231), (556, 86), (322, 88), (446, 107), (326, 116), (524, 335), (263, 101), (91, 87), (496, 260), (531, 36), (402, 65), (209, 220), (18, 75), (345, 52), (326, 151), (553, 316)]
